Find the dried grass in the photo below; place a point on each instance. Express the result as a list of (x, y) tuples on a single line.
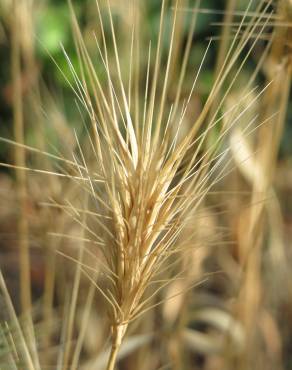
[(132, 190)]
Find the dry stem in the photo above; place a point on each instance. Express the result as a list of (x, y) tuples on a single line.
[(118, 334), (20, 162)]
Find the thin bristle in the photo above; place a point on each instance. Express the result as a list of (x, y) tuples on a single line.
[(155, 201)]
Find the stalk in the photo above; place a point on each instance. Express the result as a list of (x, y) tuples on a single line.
[(276, 99), (20, 160), (113, 356), (21, 181), (118, 334)]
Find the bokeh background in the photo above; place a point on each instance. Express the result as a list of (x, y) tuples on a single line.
[(50, 116)]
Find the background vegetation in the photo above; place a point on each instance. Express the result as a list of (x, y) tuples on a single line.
[(225, 298)]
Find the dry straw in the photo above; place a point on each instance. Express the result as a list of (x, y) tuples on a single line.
[(144, 171), (151, 178)]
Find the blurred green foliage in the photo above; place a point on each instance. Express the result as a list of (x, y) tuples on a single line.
[(53, 29)]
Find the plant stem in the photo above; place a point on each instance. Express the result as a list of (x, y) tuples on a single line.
[(25, 283), (113, 357), (118, 334)]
